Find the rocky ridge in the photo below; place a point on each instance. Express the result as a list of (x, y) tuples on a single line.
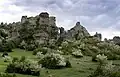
[(41, 29)]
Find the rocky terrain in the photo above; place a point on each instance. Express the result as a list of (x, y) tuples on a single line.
[(41, 29)]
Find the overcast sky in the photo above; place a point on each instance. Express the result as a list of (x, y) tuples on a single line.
[(102, 16)]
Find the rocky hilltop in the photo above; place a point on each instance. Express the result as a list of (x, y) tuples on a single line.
[(42, 30)]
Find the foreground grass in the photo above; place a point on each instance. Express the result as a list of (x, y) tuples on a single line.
[(80, 67)]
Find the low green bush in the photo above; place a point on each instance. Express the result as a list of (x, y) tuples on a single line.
[(30, 47), (43, 50), (54, 61), (7, 75), (77, 53), (105, 68), (23, 66)]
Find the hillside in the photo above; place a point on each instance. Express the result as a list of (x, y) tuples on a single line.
[(36, 46)]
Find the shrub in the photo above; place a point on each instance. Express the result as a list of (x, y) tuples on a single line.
[(66, 47), (68, 64), (30, 47), (43, 50), (15, 59), (24, 66), (58, 52), (39, 55), (77, 53), (94, 58), (54, 61), (11, 44), (106, 70), (101, 58), (7, 59), (4, 54), (22, 45), (7, 75), (22, 59)]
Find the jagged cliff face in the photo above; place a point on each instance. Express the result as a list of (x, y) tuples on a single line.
[(42, 28), (77, 32)]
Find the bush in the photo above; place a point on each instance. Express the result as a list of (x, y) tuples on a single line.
[(68, 64), (30, 47), (94, 58), (23, 66), (7, 75), (7, 59), (99, 58), (6, 48), (39, 55), (4, 54), (11, 44), (106, 70), (43, 50), (110, 55), (77, 53), (54, 61), (15, 59)]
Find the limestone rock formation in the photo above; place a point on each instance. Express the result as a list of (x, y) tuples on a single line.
[(41, 29), (98, 36), (77, 32), (116, 40)]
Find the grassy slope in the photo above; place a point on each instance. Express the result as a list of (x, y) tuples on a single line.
[(80, 67)]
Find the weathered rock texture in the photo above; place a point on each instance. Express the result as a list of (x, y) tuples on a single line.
[(98, 36), (116, 40), (77, 32), (42, 28)]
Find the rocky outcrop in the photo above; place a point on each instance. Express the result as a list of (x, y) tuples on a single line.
[(77, 32), (98, 36), (116, 40), (42, 28)]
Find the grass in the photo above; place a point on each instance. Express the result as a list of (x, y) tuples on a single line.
[(80, 67)]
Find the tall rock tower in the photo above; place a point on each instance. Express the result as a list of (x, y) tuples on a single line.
[(23, 19), (78, 31), (52, 21), (44, 18)]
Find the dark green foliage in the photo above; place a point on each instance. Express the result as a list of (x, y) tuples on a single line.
[(3, 33), (110, 55), (115, 74), (68, 64), (106, 69), (40, 49), (27, 46), (30, 47), (94, 58), (23, 66), (4, 54), (15, 59), (7, 75), (100, 72), (11, 44), (59, 41), (25, 32), (22, 59), (51, 61), (5, 46), (48, 63), (14, 42)]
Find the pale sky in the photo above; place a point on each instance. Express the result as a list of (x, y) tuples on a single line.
[(102, 16)]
